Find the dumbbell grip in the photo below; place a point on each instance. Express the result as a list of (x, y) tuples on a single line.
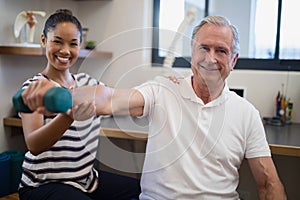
[(56, 100)]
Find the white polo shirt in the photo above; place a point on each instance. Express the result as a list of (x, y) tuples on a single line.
[(194, 150)]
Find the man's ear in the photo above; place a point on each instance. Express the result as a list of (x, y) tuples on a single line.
[(43, 40), (234, 60)]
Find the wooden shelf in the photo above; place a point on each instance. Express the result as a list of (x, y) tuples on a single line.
[(85, 53), (16, 50), (38, 51), (12, 122), (92, 0), (104, 131)]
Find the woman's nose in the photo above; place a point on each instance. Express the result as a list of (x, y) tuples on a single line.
[(65, 49)]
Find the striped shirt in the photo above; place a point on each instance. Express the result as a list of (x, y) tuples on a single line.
[(70, 160)]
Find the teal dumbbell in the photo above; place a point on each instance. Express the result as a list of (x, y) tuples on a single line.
[(56, 100)]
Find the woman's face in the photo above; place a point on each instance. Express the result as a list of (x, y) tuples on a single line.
[(62, 45)]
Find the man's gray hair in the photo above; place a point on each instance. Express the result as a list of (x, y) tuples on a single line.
[(220, 21)]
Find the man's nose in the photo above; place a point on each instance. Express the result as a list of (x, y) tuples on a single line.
[(210, 57)]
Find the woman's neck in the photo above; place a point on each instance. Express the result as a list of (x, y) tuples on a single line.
[(65, 79)]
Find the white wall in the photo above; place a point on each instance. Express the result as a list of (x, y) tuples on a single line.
[(123, 28), (263, 86)]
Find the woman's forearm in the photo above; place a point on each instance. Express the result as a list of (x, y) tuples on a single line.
[(41, 139)]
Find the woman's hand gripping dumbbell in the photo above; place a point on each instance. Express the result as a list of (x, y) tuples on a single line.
[(56, 100), (45, 97)]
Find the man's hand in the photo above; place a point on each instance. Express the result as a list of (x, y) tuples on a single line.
[(174, 79), (82, 111)]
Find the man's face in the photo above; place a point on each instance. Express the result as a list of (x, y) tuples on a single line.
[(212, 58)]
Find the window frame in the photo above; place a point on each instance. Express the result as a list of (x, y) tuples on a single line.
[(274, 64)]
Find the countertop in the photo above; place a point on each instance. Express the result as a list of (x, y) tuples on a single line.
[(283, 140)]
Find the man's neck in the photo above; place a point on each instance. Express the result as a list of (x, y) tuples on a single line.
[(207, 92)]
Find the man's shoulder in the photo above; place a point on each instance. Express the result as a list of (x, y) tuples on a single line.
[(170, 81), (241, 101)]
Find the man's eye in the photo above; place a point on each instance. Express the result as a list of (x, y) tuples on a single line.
[(203, 48), (222, 51), (56, 41)]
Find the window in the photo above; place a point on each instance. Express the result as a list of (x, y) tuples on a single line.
[(269, 37)]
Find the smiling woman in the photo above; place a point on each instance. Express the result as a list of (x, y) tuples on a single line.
[(63, 146)]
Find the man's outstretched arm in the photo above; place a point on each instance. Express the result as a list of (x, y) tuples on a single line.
[(110, 101), (107, 100)]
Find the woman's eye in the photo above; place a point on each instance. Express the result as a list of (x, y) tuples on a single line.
[(74, 44)]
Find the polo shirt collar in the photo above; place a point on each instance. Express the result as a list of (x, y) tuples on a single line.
[(187, 92)]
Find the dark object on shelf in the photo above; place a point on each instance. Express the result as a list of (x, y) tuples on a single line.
[(275, 121), (90, 44)]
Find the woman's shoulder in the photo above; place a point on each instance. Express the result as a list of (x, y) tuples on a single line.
[(36, 77), (86, 79)]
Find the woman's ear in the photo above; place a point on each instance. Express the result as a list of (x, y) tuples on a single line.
[(43, 40)]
